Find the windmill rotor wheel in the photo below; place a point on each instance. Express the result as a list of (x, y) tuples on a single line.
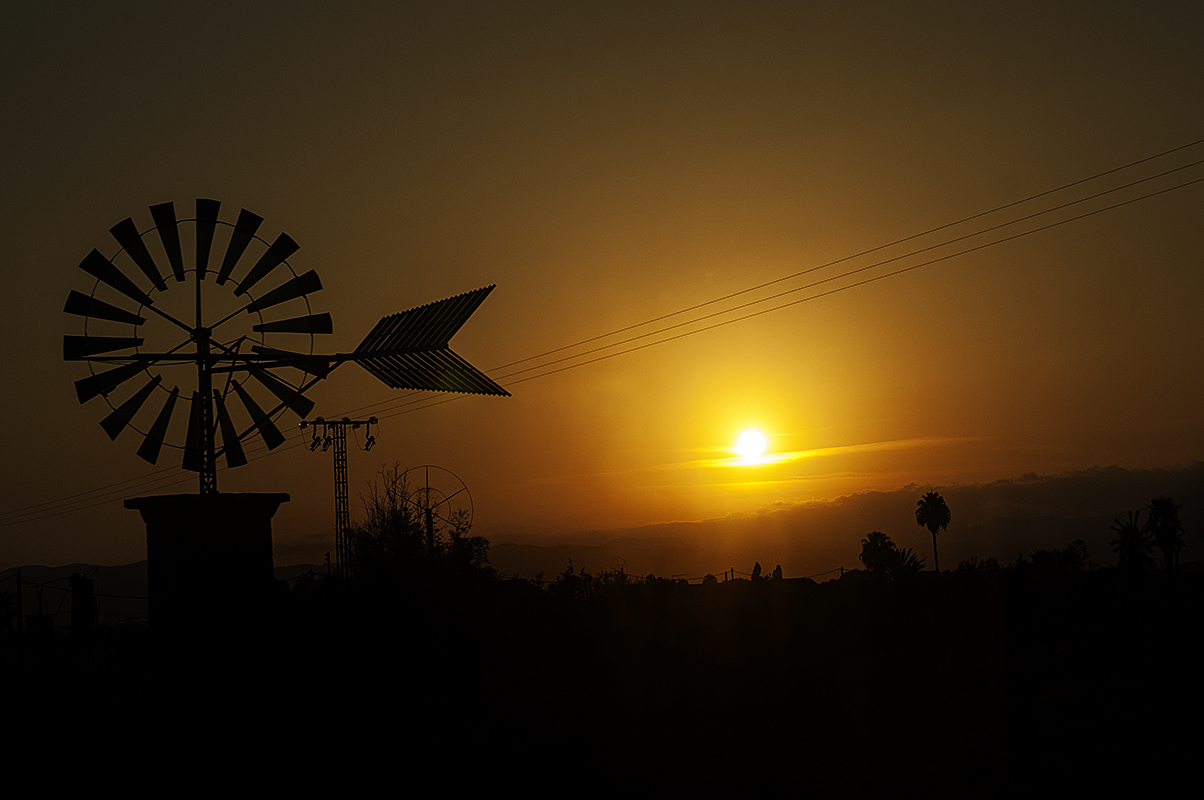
[(233, 343), (439, 497)]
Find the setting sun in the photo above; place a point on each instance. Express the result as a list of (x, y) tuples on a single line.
[(751, 444)]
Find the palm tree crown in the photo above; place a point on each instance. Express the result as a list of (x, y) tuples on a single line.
[(876, 551), (1168, 533), (1132, 544), (883, 559), (932, 513)]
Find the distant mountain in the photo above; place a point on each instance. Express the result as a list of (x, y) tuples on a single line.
[(1001, 520)]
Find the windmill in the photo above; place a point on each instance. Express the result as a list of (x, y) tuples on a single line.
[(235, 344)]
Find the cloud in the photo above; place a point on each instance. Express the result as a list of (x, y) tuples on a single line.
[(769, 459)]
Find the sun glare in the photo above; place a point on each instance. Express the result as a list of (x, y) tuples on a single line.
[(751, 444)]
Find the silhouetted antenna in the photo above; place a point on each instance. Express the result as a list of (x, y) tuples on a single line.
[(237, 358), (438, 497), (325, 433)]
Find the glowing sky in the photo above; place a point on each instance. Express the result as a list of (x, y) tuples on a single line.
[(605, 166)]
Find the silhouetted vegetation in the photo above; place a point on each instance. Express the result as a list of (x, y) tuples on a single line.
[(933, 514), (581, 586), (973, 567), (1164, 524), (1132, 544), (402, 538), (886, 561), (983, 675)]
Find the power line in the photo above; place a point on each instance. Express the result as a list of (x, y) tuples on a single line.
[(842, 260), (391, 403), (863, 269), (857, 283), (791, 303)]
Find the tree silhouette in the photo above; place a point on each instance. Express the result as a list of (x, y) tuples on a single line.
[(1073, 559), (904, 565), (1168, 533), (972, 566), (881, 557), (396, 541), (1133, 544), (877, 551), (932, 513)]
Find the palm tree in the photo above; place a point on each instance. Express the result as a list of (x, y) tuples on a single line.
[(904, 564), (882, 558), (1132, 544), (876, 552), (932, 513), (1168, 533)]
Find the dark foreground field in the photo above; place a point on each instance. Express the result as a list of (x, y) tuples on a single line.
[(950, 684)]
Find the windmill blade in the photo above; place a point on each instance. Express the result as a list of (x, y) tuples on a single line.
[(244, 230), (117, 421), (206, 224), (431, 370), (149, 451), (290, 290), (103, 270), (126, 234), (193, 457), (426, 327), (318, 366), (164, 216), (299, 403), (314, 323), (272, 436), (105, 382), (277, 254), (235, 457), (77, 348), (82, 305)]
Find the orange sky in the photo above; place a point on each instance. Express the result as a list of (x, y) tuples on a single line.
[(605, 167)]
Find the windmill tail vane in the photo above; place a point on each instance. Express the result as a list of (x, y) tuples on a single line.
[(408, 350)]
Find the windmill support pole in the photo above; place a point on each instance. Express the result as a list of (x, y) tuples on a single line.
[(208, 472)]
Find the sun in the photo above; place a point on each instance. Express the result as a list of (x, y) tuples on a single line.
[(751, 444)]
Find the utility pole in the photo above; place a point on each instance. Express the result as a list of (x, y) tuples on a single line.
[(326, 433)]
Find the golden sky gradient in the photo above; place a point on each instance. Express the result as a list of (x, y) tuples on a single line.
[(605, 166)]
